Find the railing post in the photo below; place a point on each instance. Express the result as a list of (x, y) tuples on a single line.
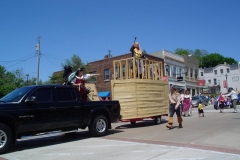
[(114, 74)]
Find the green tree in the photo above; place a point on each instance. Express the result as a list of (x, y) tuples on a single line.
[(215, 59), (230, 60), (75, 62), (181, 51), (9, 81), (212, 60)]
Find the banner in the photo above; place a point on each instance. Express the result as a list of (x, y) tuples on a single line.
[(225, 85), (201, 82)]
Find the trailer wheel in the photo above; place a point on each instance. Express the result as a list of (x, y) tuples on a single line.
[(157, 120), (5, 138), (99, 126)]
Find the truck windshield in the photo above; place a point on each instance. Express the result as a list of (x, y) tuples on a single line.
[(15, 95)]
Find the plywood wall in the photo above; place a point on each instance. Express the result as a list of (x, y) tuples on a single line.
[(141, 98)]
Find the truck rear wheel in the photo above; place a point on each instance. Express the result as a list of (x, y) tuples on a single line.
[(99, 126), (5, 138)]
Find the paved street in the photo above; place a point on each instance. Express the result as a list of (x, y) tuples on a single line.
[(215, 136)]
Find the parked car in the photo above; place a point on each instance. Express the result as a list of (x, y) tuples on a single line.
[(196, 99), (41, 109)]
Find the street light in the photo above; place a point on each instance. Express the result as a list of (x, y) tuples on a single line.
[(27, 78)]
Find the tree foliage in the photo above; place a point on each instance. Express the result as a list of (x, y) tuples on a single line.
[(75, 62), (206, 59), (215, 59), (9, 81)]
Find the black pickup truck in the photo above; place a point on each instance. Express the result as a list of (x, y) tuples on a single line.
[(39, 109)]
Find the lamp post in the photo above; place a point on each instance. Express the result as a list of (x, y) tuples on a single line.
[(27, 78)]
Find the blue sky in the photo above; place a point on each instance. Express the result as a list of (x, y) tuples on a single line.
[(90, 28)]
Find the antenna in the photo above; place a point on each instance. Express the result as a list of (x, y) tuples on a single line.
[(109, 53)]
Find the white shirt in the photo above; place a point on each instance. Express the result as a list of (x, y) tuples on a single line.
[(188, 96), (233, 95), (86, 76)]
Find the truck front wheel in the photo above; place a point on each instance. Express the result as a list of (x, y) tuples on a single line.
[(5, 138), (99, 126)]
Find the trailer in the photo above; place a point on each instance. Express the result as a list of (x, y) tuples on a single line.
[(141, 88)]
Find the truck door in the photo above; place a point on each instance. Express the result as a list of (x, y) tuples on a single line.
[(68, 107), (39, 114)]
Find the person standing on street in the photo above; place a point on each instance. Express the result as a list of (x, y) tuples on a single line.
[(234, 98), (174, 106), (200, 109), (221, 101), (187, 102)]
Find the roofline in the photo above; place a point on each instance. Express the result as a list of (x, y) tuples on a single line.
[(123, 55)]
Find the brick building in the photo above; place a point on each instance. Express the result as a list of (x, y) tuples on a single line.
[(104, 67)]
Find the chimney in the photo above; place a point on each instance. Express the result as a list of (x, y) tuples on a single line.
[(225, 63)]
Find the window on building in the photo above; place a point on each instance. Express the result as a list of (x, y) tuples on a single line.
[(215, 81), (180, 71), (174, 71), (186, 73), (201, 73), (228, 70), (196, 73), (209, 81), (168, 71), (221, 71), (215, 71), (191, 72), (107, 74)]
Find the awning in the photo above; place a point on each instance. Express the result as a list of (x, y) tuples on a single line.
[(104, 94)]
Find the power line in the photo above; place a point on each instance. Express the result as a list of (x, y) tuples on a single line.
[(49, 60), (19, 59), (20, 62), (54, 57)]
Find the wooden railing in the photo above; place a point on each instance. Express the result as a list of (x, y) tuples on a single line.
[(137, 68)]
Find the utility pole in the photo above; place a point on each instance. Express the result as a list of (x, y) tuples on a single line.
[(27, 78), (38, 59)]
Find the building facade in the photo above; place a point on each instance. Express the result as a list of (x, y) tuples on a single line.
[(175, 68), (220, 78), (191, 73), (181, 67), (104, 68)]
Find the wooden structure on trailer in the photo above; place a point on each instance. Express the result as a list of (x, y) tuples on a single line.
[(139, 86)]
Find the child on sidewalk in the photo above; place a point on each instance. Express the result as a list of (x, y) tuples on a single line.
[(200, 109)]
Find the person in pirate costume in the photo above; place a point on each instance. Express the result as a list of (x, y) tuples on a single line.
[(78, 79), (138, 53), (174, 106)]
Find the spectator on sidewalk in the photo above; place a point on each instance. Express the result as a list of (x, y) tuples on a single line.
[(234, 98)]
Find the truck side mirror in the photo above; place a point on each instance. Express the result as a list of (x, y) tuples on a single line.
[(30, 99)]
